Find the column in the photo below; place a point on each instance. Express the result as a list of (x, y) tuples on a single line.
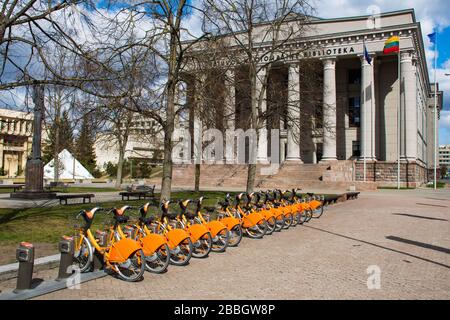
[(408, 106), (1, 151), (230, 112), (367, 110), (293, 133), (262, 132), (329, 109)]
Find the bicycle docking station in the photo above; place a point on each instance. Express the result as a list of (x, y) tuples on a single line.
[(66, 248), (25, 256)]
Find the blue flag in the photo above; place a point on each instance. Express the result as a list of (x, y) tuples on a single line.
[(367, 56), (432, 37)]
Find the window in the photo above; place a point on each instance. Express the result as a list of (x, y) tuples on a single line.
[(354, 76), (354, 111), (356, 149)]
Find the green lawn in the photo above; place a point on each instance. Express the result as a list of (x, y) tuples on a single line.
[(47, 225)]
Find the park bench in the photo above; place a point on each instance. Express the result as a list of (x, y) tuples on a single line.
[(15, 187), (84, 196), (352, 195), (139, 192), (331, 199)]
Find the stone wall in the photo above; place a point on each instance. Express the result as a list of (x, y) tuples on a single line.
[(412, 174)]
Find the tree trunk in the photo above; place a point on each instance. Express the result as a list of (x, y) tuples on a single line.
[(166, 183), (120, 168), (197, 177), (56, 153), (251, 171)]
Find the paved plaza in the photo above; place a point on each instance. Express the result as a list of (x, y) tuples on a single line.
[(405, 235)]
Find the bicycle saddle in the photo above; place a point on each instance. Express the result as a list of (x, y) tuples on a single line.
[(211, 209), (148, 220), (121, 219), (170, 216), (189, 215)]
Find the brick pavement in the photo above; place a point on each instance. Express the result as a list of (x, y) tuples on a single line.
[(406, 234)]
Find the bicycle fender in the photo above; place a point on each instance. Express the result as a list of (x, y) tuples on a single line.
[(267, 214), (315, 204), (197, 231), (215, 227), (175, 237), (230, 222), (122, 250), (151, 243), (252, 219)]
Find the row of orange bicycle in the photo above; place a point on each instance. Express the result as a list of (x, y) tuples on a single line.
[(129, 247)]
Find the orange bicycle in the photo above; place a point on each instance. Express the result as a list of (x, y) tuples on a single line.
[(155, 247), (122, 255), (179, 241), (225, 214), (254, 205), (199, 233), (253, 223), (219, 232)]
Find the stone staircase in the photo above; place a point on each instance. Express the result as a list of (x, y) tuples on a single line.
[(333, 176)]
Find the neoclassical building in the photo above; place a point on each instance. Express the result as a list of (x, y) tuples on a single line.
[(15, 141), (345, 109)]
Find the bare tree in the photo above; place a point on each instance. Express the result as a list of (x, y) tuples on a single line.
[(246, 24)]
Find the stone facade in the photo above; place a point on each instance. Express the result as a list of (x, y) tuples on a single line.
[(384, 174)]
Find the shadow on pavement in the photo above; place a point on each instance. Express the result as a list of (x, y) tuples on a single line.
[(419, 217), (419, 244), (380, 246)]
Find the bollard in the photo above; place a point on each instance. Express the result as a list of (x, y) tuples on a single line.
[(66, 247), (25, 256)]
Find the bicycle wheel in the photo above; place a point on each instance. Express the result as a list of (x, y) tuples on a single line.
[(159, 260), (272, 224), (279, 223), (303, 217), (220, 241), (308, 215), (318, 212), (288, 221), (236, 234), (133, 269), (182, 253), (298, 218), (258, 231), (202, 247), (84, 255)]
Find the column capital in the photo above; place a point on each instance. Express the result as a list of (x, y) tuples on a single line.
[(364, 62), (407, 56), (329, 63)]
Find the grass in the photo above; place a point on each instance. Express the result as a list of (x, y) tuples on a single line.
[(48, 224), (395, 188), (439, 185)]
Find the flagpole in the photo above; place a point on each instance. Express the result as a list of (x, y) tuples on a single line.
[(435, 113), (398, 120), (364, 132)]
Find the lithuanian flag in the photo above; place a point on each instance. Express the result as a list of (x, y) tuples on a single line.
[(392, 45)]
